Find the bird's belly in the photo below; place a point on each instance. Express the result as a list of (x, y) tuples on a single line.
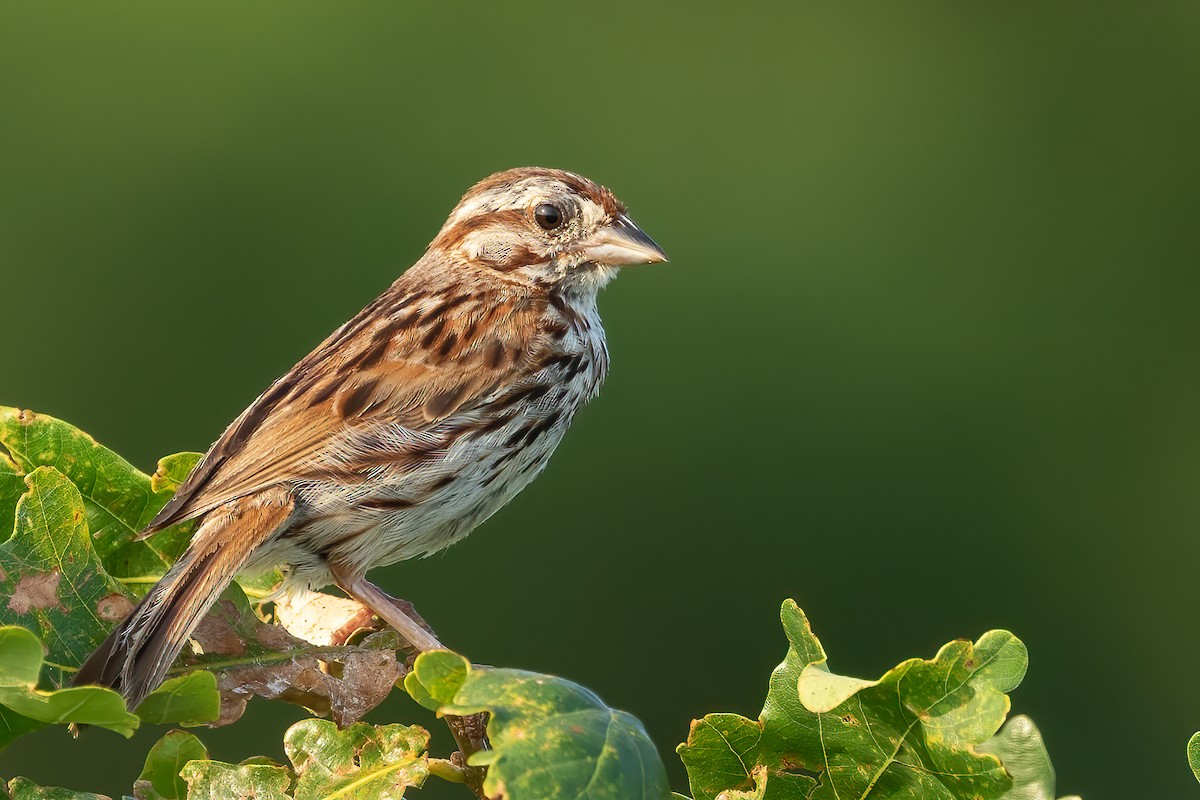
[(398, 514)]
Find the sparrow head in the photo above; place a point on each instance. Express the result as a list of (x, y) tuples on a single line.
[(545, 226)]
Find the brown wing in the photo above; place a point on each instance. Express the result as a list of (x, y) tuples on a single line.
[(412, 357)]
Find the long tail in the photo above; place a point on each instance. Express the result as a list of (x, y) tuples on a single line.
[(136, 656)]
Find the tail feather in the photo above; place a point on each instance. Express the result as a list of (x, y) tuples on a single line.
[(135, 657)]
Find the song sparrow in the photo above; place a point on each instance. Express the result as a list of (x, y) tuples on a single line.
[(410, 425)]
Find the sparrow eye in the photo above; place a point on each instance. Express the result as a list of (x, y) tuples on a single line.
[(548, 217)]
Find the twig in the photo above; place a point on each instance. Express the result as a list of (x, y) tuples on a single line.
[(470, 732), (471, 735)]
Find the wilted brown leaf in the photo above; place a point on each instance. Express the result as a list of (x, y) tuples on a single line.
[(366, 678), (251, 657)]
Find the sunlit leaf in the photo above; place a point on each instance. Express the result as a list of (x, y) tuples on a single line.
[(12, 486), (435, 678), (915, 732), (1193, 753), (171, 472), (216, 780), (119, 500), (362, 762), (25, 789)]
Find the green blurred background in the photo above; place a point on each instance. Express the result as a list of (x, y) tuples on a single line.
[(924, 359)]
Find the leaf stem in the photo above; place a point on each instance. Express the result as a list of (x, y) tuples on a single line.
[(266, 658), (447, 770)]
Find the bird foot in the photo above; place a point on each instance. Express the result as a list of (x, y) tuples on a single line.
[(400, 614)]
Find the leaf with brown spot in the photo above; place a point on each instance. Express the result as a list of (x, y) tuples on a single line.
[(52, 575)]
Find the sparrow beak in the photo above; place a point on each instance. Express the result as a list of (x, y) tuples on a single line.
[(621, 244)]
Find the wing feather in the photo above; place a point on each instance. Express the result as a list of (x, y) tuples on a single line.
[(413, 357)]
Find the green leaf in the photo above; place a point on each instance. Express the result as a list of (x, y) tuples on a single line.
[(56, 584), (1193, 754), (171, 472), (261, 586), (25, 789), (216, 780), (1020, 747), (12, 486), (435, 678), (915, 732), (119, 500), (160, 778), (550, 737), (20, 658), (187, 700), (719, 756), (51, 575), (362, 762), (21, 663)]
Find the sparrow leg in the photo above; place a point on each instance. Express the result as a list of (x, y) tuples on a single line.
[(470, 733), (397, 613), (410, 611)]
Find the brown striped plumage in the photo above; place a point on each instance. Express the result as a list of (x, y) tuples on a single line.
[(410, 424)]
